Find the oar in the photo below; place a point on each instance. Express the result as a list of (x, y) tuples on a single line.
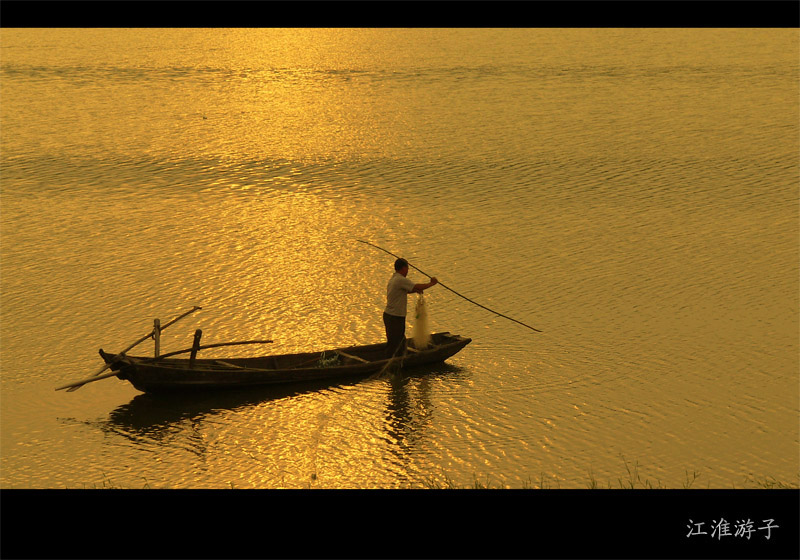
[(452, 290), (78, 384), (75, 385), (95, 377)]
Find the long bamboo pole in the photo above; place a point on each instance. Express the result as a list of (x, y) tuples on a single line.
[(452, 290), (77, 385)]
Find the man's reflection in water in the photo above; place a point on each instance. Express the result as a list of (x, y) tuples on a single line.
[(408, 409)]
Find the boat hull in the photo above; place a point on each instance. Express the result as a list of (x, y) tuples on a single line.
[(170, 374)]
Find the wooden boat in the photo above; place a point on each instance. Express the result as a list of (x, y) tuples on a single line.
[(149, 374)]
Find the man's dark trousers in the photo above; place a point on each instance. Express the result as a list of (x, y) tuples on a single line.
[(395, 334)]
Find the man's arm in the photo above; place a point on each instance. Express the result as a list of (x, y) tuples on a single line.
[(420, 287)]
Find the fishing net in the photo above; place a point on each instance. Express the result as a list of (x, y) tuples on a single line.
[(422, 331), (326, 362)]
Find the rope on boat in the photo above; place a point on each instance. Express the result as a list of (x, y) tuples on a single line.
[(452, 290), (393, 360)]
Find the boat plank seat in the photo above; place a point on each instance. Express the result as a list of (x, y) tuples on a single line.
[(356, 358), (227, 364)]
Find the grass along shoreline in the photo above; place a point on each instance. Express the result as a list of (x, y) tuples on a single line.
[(633, 481)]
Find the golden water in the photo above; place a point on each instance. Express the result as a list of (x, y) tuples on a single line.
[(633, 193)]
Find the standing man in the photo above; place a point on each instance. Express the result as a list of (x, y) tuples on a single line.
[(394, 316)]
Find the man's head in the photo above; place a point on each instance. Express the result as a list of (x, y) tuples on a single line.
[(401, 266)]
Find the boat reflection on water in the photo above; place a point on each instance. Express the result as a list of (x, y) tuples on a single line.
[(151, 414), (315, 431), (148, 413)]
